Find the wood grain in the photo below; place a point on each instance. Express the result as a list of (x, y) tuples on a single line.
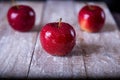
[(16, 48), (44, 65), (95, 55), (102, 53)]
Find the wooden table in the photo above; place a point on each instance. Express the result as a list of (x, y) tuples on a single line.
[(95, 55)]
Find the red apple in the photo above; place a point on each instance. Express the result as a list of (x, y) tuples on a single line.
[(21, 17), (58, 38), (91, 18)]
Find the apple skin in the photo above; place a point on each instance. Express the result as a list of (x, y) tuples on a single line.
[(58, 41), (91, 18), (21, 18)]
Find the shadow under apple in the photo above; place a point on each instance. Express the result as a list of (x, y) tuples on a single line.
[(36, 28), (85, 50), (108, 28)]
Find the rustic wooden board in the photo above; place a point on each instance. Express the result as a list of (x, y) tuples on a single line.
[(16, 48), (94, 55), (45, 65), (102, 53)]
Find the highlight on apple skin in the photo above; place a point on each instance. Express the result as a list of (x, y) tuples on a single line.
[(91, 18)]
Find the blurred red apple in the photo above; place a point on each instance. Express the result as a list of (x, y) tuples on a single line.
[(91, 18), (58, 38), (21, 17)]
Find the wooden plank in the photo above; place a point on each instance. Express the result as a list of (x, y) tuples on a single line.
[(16, 48), (46, 66), (102, 53)]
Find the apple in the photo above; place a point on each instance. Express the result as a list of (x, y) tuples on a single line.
[(91, 18), (21, 17), (58, 38)]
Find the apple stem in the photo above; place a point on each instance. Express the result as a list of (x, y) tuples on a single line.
[(91, 8), (14, 3), (59, 24)]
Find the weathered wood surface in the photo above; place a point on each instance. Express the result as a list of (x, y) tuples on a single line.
[(94, 55), (16, 48), (102, 53)]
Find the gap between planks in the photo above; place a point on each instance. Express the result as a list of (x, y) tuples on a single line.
[(81, 39), (41, 20)]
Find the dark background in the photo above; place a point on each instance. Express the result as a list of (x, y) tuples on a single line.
[(112, 4)]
